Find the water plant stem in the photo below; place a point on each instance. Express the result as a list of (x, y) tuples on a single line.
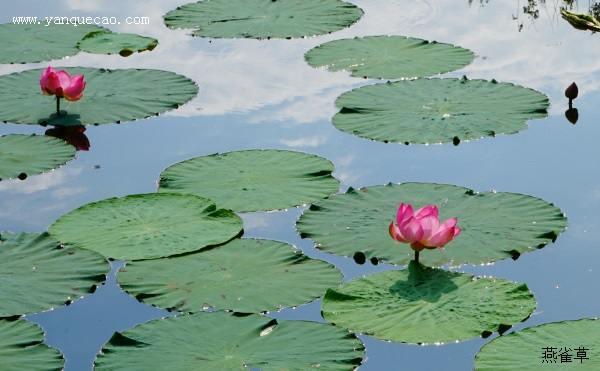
[(57, 106), (416, 257)]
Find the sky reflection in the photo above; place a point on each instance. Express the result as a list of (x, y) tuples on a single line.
[(261, 94)]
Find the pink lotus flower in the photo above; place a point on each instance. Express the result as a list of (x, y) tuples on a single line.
[(62, 84), (422, 229)]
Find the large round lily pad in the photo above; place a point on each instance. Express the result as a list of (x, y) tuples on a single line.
[(495, 225), (225, 341), (389, 57), (38, 273), (437, 110), (124, 44), (147, 226), (23, 155), (427, 305), (244, 275), (28, 43), (254, 180), (22, 348), (567, 345), (262, 19), (110, 96)]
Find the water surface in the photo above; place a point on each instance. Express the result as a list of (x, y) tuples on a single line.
[(261, 94)]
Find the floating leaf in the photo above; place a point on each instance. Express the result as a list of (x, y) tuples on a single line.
[(225, 341), (38, 273), (437, 110), (254, 180), (567, 345), (389, 57), (124, 44), (495, 225), (244, 275), (23, 155), (110, 96), (28, 43), (147, 226), (427, 305), (260, 19), (581, 21), (22, 348)]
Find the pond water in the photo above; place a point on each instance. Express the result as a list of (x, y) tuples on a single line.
[(261, 94)]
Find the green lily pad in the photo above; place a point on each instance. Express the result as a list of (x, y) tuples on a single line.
[(389, 57), (437, 110), (28, 43), (254, 180), (22, 348), (38, 273), (124, 44), (567, 345), (244, 275), (110, 96), (495, 225), (23, 155), (225, 341), (427, 305), (263, 19), (147, 226)]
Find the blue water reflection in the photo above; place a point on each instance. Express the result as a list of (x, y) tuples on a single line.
[(259, 94)]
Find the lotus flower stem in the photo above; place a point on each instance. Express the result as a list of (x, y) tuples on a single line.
[(417, 257), (57, 106)]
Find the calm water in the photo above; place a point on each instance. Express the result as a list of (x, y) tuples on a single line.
[(261, 94)]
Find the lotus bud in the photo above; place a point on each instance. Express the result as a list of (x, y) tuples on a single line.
[(572, 91)]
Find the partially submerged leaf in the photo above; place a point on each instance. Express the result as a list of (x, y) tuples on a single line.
[(262, 19)]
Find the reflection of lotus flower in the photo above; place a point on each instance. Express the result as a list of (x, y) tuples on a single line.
[(61, 84), (422, 229), (71, 134), (572, 115)]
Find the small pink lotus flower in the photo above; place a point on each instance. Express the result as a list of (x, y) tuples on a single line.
[(62, 84), (422, 229)]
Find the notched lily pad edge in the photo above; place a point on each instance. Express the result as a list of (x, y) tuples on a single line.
[(125, 52), (456, 140), (360, 257), (195, 30), (351, 73), (44, 122), (23, 176), (142, 296)]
